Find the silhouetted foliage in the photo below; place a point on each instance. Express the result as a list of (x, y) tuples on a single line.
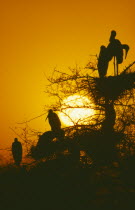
[(108, 95), (89, 165)]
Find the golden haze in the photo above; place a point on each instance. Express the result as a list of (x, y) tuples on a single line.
[(37, 36)]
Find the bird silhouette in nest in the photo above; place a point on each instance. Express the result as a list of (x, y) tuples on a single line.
[(114, 49)]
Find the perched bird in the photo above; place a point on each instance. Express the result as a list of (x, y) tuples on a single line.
[(17, 151), (115, 49), (54, 121), (102, 62)]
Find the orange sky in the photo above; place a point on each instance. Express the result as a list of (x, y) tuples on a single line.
[(38, 35)]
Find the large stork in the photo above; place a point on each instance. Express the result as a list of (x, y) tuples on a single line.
[(115, 49)]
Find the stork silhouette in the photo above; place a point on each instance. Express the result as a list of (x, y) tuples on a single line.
[(102, 62), (115, 49), (54, 121), (17, 151)]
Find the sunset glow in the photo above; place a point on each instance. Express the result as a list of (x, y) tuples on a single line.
[(39, 36), (78, 113)]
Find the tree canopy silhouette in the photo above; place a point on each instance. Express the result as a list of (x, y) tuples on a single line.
[(111, 97)]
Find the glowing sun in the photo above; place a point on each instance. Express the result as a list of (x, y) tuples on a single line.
[(76, 110)]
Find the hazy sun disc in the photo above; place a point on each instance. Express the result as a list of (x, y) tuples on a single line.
[(75, 110)]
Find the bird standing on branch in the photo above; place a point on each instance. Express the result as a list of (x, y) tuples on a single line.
[(54, 121), (114, 49), (17, 151)]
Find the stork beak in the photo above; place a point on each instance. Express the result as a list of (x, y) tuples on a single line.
[(126, 47), (126, 53)]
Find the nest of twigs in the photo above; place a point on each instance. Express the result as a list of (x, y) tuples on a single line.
[(113, 87)]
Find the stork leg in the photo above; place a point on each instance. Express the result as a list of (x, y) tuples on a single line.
[(117, 67), (114, 66)]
